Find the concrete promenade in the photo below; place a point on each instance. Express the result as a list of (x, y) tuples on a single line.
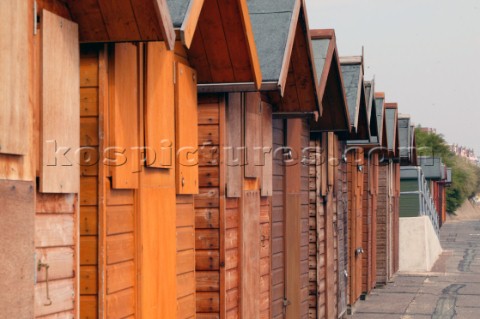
[(450, 290)]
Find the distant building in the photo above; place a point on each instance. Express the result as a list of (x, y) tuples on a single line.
[(465, 152)]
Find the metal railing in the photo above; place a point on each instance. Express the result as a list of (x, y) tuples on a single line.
[(427, 205)]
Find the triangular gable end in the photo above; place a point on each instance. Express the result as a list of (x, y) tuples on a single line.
[(380, 109), (335, 116), (286, 57), (103, 21), (371, 110), (229, 62)]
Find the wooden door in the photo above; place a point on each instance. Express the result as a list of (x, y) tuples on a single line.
[(186, 132)]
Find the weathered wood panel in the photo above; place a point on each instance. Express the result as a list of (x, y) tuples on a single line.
[(15, 122), (60, 117), (251, 234), (17, 237), (234, 154)]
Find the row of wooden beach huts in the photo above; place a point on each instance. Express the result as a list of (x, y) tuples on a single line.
[(190, 159)]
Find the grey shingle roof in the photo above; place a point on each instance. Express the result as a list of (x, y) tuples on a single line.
[(178, 10), (404, 138), (432, 167), (320, 49), (379, 109), (351, 79), (390, 127), (271, 20)]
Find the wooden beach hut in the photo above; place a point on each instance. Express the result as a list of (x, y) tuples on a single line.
[(352, 72), (328, 185)]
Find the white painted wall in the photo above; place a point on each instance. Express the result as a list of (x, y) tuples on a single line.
[(419, 245)]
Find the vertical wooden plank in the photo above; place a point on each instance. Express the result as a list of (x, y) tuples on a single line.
[(251, 255), (234, 153), (124, 117), (15, 122), (292, 238), (331, 159), (159, 107), (17, 238), (186, 130), (60, 117), (253, 138), (267, 150), (159, 252)]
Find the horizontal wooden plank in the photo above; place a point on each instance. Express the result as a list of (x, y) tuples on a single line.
[(89, 71), (185, 261), (207, 239), (207, 197), (207, 260), (120, 276), (62, 295), (60, 261), (118, 196), (55, 203), (207, 218), (207, 280), (120, 248), (208, 113), (88, 307), (208, 176), (185, 284), (185, 238), (185, 215), (89, 131), (120, 219), (88, 280), (54, 230), (88, 250), (186, 307), (88, 191), (121, 304), (88, 102), (208, 135), (88, 220), (208, 302)]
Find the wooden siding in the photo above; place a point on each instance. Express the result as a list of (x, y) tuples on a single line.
[(278, 222), (89, 172), (56, 245), (341, 233), (208, 218)]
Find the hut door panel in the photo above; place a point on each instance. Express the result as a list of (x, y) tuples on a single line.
[(234, 155), (159, 106), (124, 117), (253, 134), (60, 118), (251, 239), (14, 107), (186, 130), (17, 238)]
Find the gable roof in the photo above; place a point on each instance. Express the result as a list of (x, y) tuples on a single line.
[(431, 167), (335, 116), (352, 74), (391, 122), (125, 20), (380, 110), (221, 47), (284, 48), (371, 110)]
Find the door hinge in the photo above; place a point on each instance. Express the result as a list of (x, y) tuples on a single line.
[(286, 303)]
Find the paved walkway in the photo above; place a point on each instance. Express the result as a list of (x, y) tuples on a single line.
[(451, 290)]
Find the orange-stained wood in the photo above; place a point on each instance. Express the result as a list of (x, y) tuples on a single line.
[(186, 121), (159, 110), (190, 22), (125, 158)]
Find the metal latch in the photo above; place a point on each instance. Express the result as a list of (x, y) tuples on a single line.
[(39, 268), (359, 251)]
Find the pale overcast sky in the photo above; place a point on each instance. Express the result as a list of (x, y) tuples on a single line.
[(425, 55)]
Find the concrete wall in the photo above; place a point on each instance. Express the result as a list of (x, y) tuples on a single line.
[(419, 244)]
